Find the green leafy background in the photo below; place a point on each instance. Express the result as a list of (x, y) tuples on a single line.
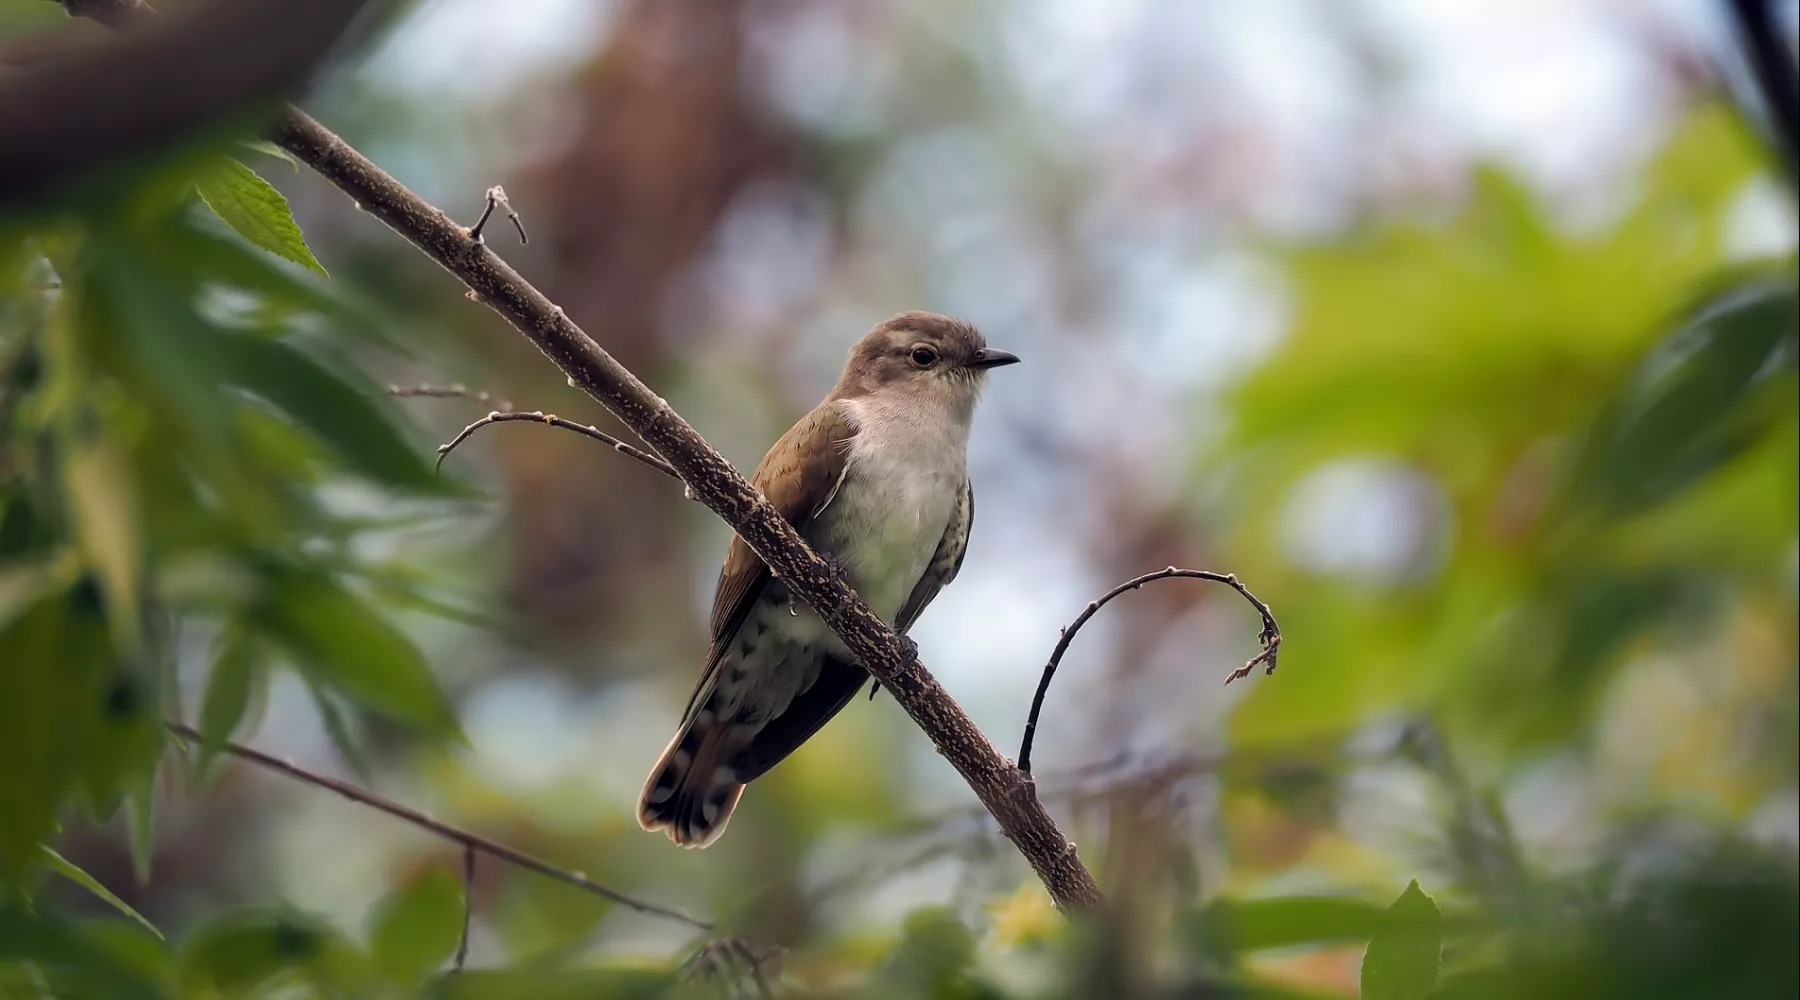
[(1532, 747)]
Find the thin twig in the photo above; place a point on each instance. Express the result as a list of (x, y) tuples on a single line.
[(462, 943), (455, 390), (496, 196), (504, 413), (715, 960), (540, 417), (471, 842), (1270, 638)]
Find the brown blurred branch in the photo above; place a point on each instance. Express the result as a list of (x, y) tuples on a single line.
[(95, 101), (1005, 790), (1270, 638), (472, 843)]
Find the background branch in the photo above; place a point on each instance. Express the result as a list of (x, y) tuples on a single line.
[(472, 842), (1270, 637), (1776, 72)]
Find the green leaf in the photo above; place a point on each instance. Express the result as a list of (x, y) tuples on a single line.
[(351, 423), (418, 926), (20, 582), (269, 149), (228, 689), (52, 714), (279, 948), (140, 809), (77, 961), (1402, 960), (1692, 404), (255, 209), (934, 953), (346, 728), (71, 871), (1256, 924), (245, 950), (338, 639), (101, 493)]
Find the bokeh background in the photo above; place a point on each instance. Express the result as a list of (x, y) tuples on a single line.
[(1408, 312)]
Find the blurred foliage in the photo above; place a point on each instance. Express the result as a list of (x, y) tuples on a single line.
[(1599, 429), (1604, 427), (174, 404)]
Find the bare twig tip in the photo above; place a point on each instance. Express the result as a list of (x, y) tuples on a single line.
[(1270, 637)]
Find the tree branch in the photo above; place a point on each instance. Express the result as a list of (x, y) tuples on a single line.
[(472, 843), (1270, 638), (1002, 788)]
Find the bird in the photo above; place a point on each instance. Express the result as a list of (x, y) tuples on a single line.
[(875, 478)]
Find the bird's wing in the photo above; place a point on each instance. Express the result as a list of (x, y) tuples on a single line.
[(945, 562), (799, 476)]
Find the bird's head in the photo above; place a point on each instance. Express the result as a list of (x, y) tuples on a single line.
[(922, 355)]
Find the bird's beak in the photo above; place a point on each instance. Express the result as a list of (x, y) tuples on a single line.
[(990, 357)]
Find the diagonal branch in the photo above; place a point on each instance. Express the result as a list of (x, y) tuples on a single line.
[(1270, 638), (472, 843), (1003, 789)]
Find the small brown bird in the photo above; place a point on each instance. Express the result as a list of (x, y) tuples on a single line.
[(875, 480)]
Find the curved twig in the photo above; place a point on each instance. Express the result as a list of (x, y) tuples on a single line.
[(540, 417), (1270, 638), (473, 843)]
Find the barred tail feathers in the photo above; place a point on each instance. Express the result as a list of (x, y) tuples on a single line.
[(693, 789)]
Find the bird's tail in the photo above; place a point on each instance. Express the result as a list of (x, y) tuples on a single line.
[(693, 788)]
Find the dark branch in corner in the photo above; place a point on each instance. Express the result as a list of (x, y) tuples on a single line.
[(472, 843), (1777, 76), (1270, 638), (62, 114)]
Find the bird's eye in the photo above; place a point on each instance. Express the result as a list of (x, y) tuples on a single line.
[(924, 357)]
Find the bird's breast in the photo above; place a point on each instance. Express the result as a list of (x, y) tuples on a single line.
[(885, 523)]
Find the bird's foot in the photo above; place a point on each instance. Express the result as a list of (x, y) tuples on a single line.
[(836, 567)]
